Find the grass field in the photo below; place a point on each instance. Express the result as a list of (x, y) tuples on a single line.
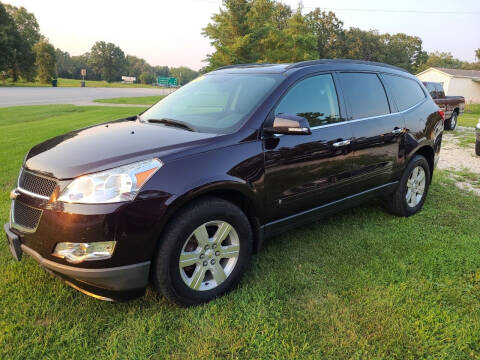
[(360, 285), (76, 83), (140, 100), (471, 116)]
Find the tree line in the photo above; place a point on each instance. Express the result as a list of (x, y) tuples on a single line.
[(107, 61), (243, 31), (251, 31), (25, 53)]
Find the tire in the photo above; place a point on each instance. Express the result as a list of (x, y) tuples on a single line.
[(191, 233), (452, 122), (477, 147), (398, 202)]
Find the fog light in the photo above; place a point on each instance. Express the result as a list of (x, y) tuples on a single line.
[(76, 253)]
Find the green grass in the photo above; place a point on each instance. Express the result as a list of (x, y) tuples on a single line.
[(359, 285), (471, 116), (466, 139), (141, 100), (466, 176), (76, 83)]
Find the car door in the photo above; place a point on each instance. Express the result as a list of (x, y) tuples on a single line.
[(377, 129), (305, 171)]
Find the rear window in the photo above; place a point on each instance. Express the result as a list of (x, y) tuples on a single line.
[(431, 89), (365, 94), (407, 92)]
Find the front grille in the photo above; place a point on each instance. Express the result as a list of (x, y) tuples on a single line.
[(25, 216), (36, 184)]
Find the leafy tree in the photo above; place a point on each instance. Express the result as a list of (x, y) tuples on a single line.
[(364, 45), (81, 62), (404, 51), (8, 38), (229, 33), (147, 78), (23, 61), (246, 31), (183, 74), (45, 60), (161, 71), (328, 31), (441, 59), (65, 67), (477, 55), (108, 60), (137, 66)]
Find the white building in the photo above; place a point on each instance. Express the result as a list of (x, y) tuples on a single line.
[(464, 83)]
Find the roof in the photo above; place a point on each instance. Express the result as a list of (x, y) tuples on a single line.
[(472, 74), (280, 68)]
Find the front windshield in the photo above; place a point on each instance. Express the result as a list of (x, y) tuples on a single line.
[(214, 103)]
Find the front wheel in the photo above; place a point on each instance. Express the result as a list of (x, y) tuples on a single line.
[(412, 190), (203, 253), (477, 147), (452, 122)]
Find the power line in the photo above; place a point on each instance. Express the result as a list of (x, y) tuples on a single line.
[(424, 12), (399, 11)]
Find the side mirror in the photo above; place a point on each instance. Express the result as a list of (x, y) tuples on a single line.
[(289, 125)]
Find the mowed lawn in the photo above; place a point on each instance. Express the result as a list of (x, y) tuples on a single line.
[(139, 100), (362, 284), (471, 116)]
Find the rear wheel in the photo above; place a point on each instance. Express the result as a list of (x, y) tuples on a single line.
[(452, 122), (203, 253), (477, 147), (412, 190)]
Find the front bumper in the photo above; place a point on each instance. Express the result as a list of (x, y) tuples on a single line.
[(116, 283)]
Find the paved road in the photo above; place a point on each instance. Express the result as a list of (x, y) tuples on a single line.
[(13, 96)]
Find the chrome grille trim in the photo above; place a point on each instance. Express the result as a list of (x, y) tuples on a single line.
[(36, 185), (24, 217)]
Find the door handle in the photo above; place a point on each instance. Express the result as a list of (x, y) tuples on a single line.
[(341, 143), (397, 131)]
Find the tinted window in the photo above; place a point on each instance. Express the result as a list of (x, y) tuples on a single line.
[(440, 92), (216, 103), (365, 94), (314, 98), (431, 89), (407, 92)]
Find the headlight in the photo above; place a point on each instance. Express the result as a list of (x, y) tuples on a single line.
[(114, 185), (76, 253)]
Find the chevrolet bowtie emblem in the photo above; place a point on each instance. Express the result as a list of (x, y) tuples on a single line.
[(14, 194)]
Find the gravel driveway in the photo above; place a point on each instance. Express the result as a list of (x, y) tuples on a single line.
[(458, 156)]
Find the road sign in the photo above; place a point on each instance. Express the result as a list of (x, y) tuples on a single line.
[(166, 81), (129, 79), (83, 72)]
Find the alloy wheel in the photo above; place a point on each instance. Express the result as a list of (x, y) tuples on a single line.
[(209, 255), (453, 121), (415, 186)]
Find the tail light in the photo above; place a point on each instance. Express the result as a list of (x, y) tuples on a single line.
[(442, 114)]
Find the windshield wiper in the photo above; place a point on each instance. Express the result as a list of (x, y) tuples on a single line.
[(172, 122)]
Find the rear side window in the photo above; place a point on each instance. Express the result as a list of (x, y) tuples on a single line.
[(440, 92), (407, 92), (313, 98), (431, 89), (365, 94)]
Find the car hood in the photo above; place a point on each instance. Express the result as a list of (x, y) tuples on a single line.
[(109, 145)]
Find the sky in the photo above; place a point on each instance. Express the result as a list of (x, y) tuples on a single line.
[(168, 32)]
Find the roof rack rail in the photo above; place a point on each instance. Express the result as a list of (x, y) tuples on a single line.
[(326, 61), (243, 65)]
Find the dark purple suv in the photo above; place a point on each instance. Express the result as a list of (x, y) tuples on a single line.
[(183, 194)]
